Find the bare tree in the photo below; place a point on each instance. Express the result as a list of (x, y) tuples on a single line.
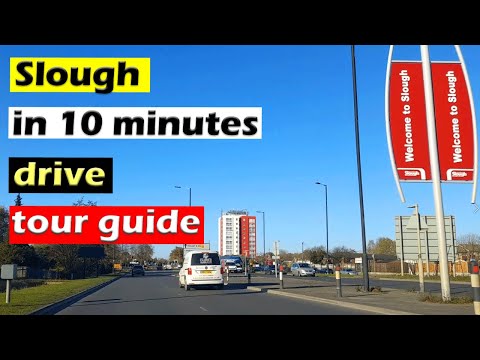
[(341, 254), (469, 245), (371, 246)]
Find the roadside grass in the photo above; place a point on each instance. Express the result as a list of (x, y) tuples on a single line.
[(25, 301), (438, 299)]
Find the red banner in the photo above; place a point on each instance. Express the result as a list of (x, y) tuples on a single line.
[(106, 225), (454, 122), (408, 125)]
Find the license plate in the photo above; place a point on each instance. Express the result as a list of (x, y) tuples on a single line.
[(206, 272)]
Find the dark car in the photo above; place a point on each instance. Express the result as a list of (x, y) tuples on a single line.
[(270, 270), (324, 271), (138, 270)]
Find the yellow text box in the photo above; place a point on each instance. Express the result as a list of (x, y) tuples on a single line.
[(98, 75)]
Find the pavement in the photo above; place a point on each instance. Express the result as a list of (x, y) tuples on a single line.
[(385, 301)]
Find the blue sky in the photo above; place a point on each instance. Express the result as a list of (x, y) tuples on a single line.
[(308, 136)]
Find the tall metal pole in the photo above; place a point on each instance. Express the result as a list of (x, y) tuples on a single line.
[(326, 216), (453, 246), (420, 260), (366, 285), (302, 250), (263, 219), (326, 221), (435, 169), (189, 204), (264, 252)]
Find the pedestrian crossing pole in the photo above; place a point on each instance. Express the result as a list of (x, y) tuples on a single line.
[(338, 280), (474, 277)]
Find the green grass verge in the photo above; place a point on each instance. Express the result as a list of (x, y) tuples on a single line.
[(27, 300), (438, 299)]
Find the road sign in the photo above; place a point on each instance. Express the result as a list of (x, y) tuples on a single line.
[(412, 223), (406, 237), (198, 246), (117, 266)]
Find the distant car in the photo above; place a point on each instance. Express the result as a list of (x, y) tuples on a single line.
[(324, 271), (269, 270), (138, 270), (160, 267), (231, 267), (348, 272), (302, 269)]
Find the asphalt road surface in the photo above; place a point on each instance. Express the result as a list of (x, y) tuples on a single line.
[(157, 293)]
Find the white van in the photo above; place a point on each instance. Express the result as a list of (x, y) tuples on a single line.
[(201, 268)]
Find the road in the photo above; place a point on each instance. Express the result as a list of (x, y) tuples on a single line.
[(157, 293)]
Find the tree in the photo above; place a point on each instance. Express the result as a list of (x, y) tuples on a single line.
[(18, 200), (383, 246), (469, 244), (342, 254), (371, 247), (66, 256), (176, 255), (286, 256), (81, 202), (143, 253), (315, 254), (4, 221)]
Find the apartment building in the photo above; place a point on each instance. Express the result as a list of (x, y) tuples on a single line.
[(237, 233)]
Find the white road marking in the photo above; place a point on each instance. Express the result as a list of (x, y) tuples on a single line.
[(203, 308)]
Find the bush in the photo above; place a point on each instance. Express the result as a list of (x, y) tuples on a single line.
[(21, 284)]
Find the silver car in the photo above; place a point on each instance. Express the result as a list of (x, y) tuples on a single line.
[(302, 269)]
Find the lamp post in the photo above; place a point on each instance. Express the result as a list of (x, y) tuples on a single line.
[(263, 222), (189, 202), (420, 261), (302, 250), (326, 217), (189, 194), (366, 285)]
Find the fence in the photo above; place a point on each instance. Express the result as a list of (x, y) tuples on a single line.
[(461, 267)]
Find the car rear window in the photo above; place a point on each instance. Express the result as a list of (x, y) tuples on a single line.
[(138, 267), (205, 259)]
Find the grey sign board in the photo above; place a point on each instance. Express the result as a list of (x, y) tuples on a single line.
[(9, 271), (406, 238)]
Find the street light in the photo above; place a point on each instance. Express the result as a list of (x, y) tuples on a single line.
[(366, 285), (190, 194), (189, 202), (420, 262), (326, 218), (302, 250), (263, 221)]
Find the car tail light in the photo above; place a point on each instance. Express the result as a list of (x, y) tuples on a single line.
[(189, 271), (221, 270)]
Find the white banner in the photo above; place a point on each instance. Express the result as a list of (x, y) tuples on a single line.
[(134, 123)]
